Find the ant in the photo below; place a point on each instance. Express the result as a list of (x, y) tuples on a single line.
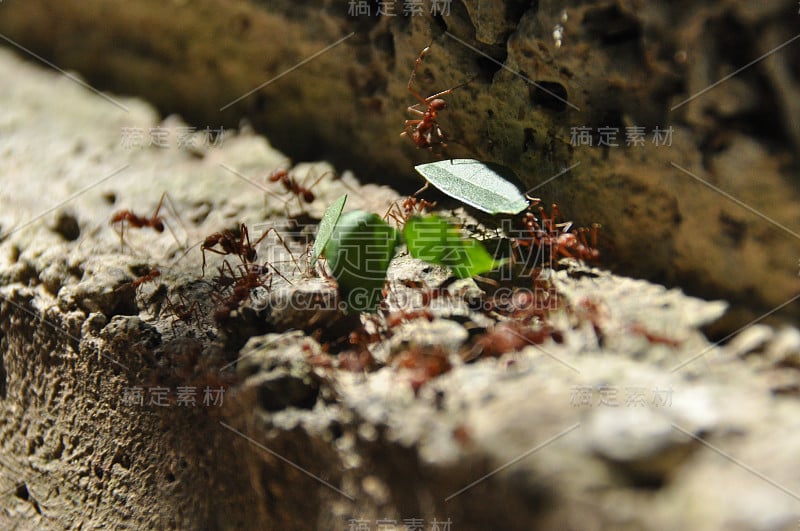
[(290, 184), (396, 319), (150, 276), (428, 294), (242, 286), (184, 311), (155, 221), (425, 132), (510, 336), (557, 238), (230, 244), (401, 211), (424, 363), (240, 246), (654, 339)]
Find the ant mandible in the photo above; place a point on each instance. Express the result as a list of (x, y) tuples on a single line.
[(425, 132)]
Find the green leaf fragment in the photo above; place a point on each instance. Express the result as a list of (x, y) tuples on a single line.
[(358, 252), (435, 240), (482, 185), (326, 226)]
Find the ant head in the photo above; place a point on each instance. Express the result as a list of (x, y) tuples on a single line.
[(438, 104), (278, 175), (308, 196), (158, 226)]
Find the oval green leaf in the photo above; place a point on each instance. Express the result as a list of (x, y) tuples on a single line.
[(359, 251), (434, 240), (326, 226), (482, 185)]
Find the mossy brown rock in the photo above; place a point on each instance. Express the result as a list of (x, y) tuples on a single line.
[(669, 212)]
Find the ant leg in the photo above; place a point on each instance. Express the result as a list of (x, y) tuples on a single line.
[(121, 231), (427, 184), (122, 242), (450, 90), (283, 243), (267, 264), (174, 212), (394, 213), (595, 227), (414, 73), (308, 188), (158, 208), (211, 250), (411, 108), (181, 257), (247, 252), (410, 126)]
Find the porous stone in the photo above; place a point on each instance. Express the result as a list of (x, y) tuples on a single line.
[(632, 418)]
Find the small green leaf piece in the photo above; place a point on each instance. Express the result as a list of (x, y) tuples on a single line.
[(326, 226), (483, 185), (359, 251), (434, 240)]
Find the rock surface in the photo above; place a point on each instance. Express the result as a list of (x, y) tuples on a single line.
[(630, 418), (713, 210)]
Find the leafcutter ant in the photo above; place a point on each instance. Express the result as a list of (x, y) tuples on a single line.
[(155, 221), (401, 210), (253, 277), (302, 192), (150, 276), (425, 132), (230, 243)]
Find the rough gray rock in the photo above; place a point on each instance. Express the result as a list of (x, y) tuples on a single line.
[(630, 419)]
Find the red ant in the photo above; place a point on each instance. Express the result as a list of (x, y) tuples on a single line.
[(425, 363), (592, 311), (510, 336), (241, 290), (427, 293), (290, 184), (147, 277), (155, 221), (654, 339), (425, 132), (526, 305), (396, 319), (239, 245), (557, 238), (400, 212), (230, 244), (184, 311)]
